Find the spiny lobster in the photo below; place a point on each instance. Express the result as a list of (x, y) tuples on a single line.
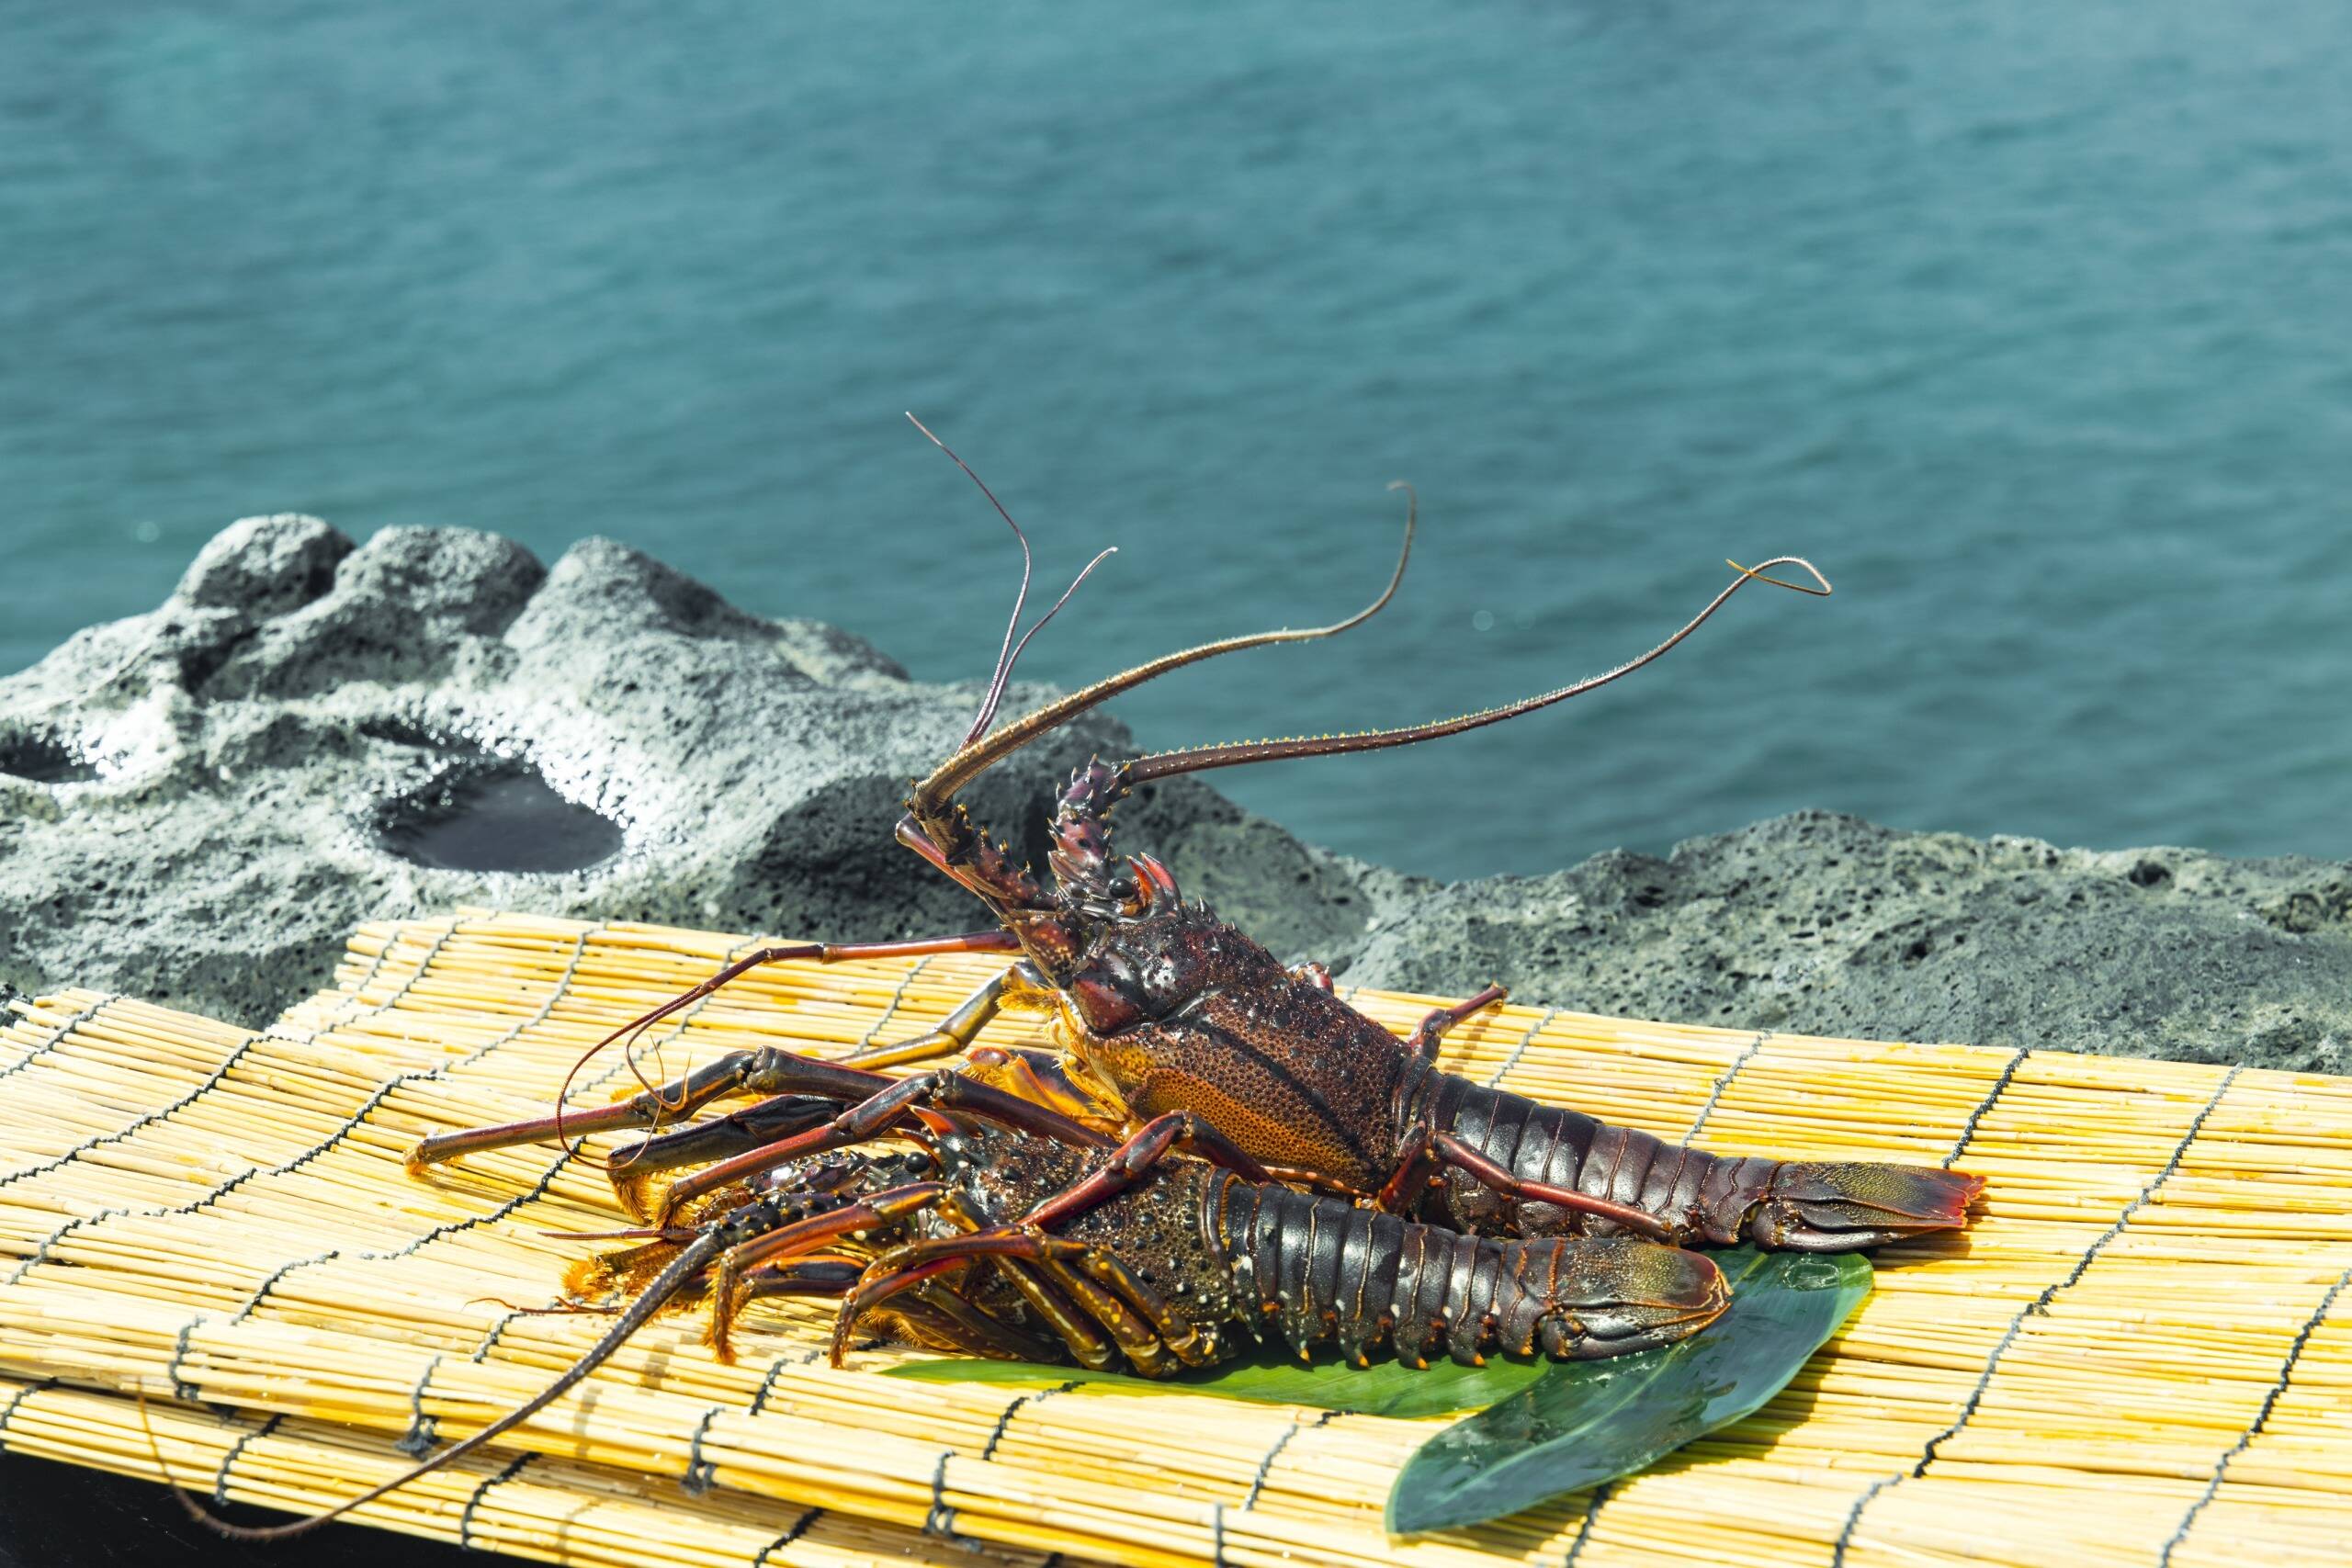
[(1159, 1006), (1025, 1242)]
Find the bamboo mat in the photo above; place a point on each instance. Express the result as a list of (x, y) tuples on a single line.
[(2142, 1354)]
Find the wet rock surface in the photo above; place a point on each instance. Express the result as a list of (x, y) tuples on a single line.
[(196, 805)]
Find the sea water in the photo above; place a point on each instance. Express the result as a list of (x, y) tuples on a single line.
[(2030, 324)]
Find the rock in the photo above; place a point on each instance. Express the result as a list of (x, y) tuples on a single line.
[(198, 805), (1821, 924)]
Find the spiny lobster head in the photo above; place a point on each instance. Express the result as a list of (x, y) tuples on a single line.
[(1056, 929), (1090, 893), (1153, 965)]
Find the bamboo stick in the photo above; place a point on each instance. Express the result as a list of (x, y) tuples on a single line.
[(2144, 1343)]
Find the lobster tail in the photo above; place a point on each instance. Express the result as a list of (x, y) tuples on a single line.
[(1715, 1200), (1313, 1269), (1613, 1296), (1837, 1207)]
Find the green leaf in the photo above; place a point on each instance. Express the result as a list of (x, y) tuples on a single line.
[(1384, 1388), (1584, 1422)]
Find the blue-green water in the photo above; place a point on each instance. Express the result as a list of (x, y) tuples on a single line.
[(2032, 324)]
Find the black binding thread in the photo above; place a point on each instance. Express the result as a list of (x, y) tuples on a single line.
[(221, 1476), (2039, 1306), (1968, 1128), (767, 1383), (183, 1390), (261, 1293), (466, 1520), (211, 1080), (1538, 1027), (1004, 1421), (793, 1532), (2262, 1416), (9, 1411), (790, 1358), (424, 1431), (701, 1472), (489, 1341), (350, 1125), (348, 1009), (890, 1007), (1716, 1095), (941, 1520), (1584, 1530), (1258, 1482), (40, 1253), (58, 1032)]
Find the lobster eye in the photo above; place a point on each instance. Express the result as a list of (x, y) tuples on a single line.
[(1104, 1004), (1110, 996)]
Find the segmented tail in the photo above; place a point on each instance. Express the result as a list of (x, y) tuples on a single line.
[(1705, 1198), (1319, 1268)]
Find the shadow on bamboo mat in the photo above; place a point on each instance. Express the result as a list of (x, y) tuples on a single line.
[(59, 1516)]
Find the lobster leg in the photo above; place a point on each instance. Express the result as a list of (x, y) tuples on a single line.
[(943, 1089), (1187, 1343), (1176, 1130), (713, 1080), (820, 953), (1080, 1335), (1170, 1332), (1423, 1041), (801, 1236), (1104, 1284), (1081, 1331), (956, 1032), (1041, 1077), (1137, 1336), (903, 1268), (883, 1208), (801, 1090), (802, 1277), (732, 1073), (1426, 1149), (939, 1319), (765, 1071), (936, 1318)]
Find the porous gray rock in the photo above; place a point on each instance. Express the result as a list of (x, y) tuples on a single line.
[(1818, 923), (198, 804)]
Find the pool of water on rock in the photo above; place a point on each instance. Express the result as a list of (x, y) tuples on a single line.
[(505, 821), (42, 761)]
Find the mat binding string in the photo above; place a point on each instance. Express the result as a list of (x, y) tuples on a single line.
[(215, 1268)]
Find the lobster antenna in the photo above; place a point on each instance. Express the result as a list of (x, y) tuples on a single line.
[(1231, 754), (1005, 652), (1009, 654), (977, 756), (1004, 674), (684, 1267)]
